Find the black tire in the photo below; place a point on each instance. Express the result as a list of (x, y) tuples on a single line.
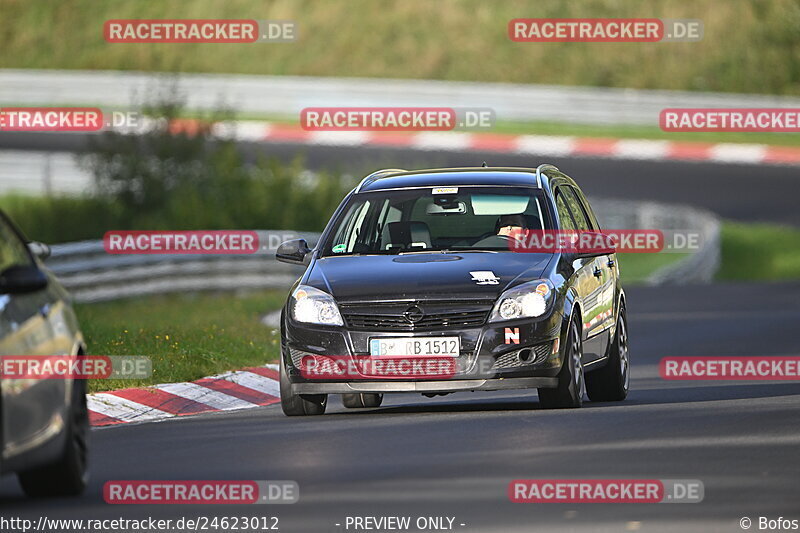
[(571, 385), (69, 475), (299, 404), (362, 400), (611, 383)]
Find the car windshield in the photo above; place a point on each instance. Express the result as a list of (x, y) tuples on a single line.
[(436, 219)]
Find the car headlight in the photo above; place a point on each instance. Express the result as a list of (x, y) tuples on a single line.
[(527, 300), (314, 306)]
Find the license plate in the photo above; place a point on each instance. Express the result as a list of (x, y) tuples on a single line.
[(415, 347)]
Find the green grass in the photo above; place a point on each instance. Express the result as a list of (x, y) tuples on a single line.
[(750, 252), (748, 45), (187, 336), (759, 252), (61, 218)]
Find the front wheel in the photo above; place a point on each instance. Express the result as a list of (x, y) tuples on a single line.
[(299, 404), (610, 383), (69, 475), (569, 393)]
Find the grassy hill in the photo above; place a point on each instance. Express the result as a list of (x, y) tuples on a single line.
[(749, 45)]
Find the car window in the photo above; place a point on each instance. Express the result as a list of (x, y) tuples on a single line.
[(345, 238), (587, 208), (564, 215), (420, 219), (578, 209), (578, 213), (13, 251)]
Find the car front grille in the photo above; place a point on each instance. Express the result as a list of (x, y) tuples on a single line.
[(399, 322), (436, 315)]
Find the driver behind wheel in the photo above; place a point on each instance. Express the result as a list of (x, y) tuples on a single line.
[(508, 225)]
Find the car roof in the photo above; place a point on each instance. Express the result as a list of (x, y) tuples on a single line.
[(400, 179)]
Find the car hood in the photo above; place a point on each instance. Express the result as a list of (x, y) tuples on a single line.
[(424, 276)]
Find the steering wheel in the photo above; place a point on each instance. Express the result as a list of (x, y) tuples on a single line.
[(489, 234), (492, 238)]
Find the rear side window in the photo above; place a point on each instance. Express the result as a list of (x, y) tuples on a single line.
[(575, 207), (564, 215)]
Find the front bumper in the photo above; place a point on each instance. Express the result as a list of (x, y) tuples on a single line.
[(489, 358), (454, 385)]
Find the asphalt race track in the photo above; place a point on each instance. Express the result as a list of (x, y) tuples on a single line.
[(454, 456)]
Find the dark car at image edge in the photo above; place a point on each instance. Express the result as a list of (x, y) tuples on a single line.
[(410, 257), (44, 422)]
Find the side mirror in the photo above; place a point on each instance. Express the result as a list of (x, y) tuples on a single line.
[(293, 252), (39, 249), (18, 279)]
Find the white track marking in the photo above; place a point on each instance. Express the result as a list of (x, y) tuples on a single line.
[(545, 145), (738, 153), (339, 138), (441, 140), (640, 149), (212, 398), (256, 382), (123, 409)]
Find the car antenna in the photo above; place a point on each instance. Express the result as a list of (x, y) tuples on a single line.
[(484, 165)]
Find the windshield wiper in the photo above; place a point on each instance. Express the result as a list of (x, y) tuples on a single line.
[(470, 250), (425, 251), (420, 251)]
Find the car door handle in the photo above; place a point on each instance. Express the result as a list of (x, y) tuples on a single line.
[(611, 263), (597, 273)]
